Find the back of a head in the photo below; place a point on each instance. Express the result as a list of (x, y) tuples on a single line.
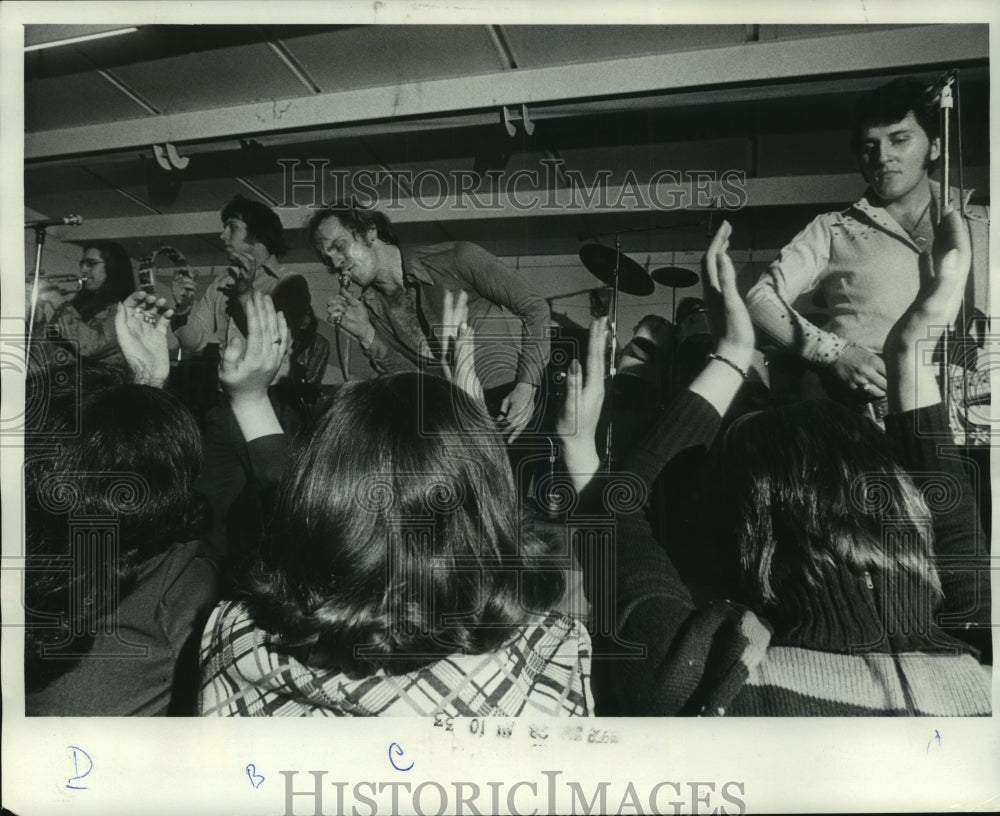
[(398, 510), (806, 489), (111, 451), (116, 449)]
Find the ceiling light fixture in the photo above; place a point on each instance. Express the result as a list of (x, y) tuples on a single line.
[(84, 38)]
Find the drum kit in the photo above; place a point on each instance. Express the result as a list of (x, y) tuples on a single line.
[(620, 272)]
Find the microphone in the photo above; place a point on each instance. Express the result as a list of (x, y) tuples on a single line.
[(345, 286), (933, 91), (66, 221)]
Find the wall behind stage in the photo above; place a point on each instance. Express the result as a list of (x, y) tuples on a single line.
[(550, 276)]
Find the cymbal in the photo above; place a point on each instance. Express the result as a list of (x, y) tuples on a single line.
[(674, 276), (600, 262)]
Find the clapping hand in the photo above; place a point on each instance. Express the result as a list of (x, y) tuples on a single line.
[(458, 345), (942, 286), (576, 424), (912, 383), (730, 324), (248, 366), (141, 325), (728, 317)]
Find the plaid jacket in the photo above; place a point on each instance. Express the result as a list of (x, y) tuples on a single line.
[(245, 672)]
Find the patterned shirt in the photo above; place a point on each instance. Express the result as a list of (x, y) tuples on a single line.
[(867, 268), (246, 672)]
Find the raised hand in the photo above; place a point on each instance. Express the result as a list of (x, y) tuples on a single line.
[(245, 266), (730, 323), (912, 382), (576, 424), (249, 366), (942, 284), (141, 324), (458, 345), (728, 317)]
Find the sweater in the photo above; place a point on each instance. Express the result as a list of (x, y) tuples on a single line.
[(838, 658)]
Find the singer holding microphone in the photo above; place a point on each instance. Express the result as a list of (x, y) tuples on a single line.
[(87, 319), (392, 300)]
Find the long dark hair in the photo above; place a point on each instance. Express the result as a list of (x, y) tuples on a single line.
[(808, 488), (124, 456), (117, 286), (397, 535)]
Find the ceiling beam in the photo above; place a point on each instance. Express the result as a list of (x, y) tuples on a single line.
[(852, 87), (831, 190), (779, 60)]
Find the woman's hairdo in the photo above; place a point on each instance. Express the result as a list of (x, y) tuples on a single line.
[(806, 489), (397, 535), (108, 449)]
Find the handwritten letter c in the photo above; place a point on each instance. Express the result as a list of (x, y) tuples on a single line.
[(395, 749)]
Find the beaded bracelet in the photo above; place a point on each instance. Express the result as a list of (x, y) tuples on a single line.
[(730, 363)]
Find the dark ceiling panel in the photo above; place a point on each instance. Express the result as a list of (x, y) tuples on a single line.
[(151, 42), (538, 46), (75, 99), (377, 56), (236, 75)]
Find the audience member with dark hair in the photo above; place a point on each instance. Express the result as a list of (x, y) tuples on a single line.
[(399, 580), (87, 320), (253, 238), (839, 607), (116, 583)]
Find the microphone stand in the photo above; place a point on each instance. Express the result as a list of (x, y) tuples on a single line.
[(946, 105), (39, 243), (343, 359), (39, 227), (612, 369)]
